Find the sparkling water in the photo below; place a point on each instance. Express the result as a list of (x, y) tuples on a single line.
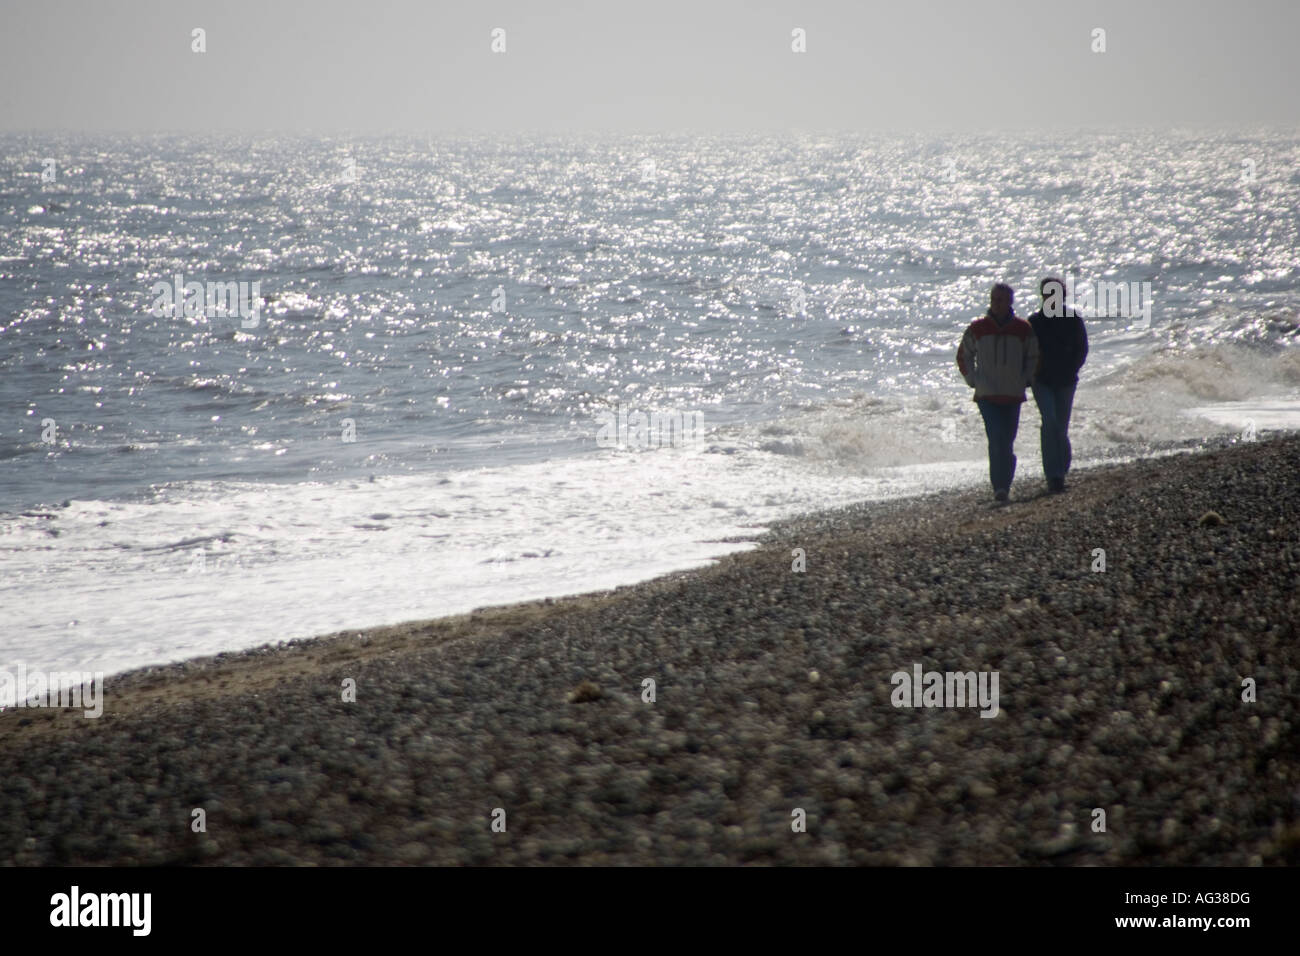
[(400, 417)]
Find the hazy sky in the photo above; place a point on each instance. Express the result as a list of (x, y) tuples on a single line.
[(370, 65)]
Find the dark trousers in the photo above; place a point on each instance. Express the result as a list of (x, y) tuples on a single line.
[(1054, 405), (1001, 422)]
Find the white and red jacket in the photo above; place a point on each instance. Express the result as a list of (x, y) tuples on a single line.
[(998, 360)]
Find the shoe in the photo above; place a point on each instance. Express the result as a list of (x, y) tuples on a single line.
[(1055, 485), (1001, 495)]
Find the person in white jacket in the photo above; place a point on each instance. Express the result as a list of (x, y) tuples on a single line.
[(998, 357)]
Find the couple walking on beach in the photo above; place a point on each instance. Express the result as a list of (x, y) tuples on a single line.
[(1001, 355)]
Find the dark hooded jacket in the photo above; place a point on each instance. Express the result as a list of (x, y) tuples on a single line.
[(1062, 348)]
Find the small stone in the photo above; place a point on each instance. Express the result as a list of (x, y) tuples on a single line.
[(585, 692)]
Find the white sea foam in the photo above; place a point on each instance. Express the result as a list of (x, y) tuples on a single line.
[(204, 568)]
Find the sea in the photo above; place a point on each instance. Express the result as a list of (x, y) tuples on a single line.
[(449, 372)]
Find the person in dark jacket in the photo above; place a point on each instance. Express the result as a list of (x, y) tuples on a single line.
[(1063, 348), (997, 357)]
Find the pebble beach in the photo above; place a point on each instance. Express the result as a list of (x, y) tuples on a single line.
[(1161, 688)]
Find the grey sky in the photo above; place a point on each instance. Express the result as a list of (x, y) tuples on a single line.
[(371, 65)]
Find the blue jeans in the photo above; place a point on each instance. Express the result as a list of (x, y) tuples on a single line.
[(1054, 405), (1000, 425)]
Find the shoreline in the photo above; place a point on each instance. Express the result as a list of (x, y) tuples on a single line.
[(143, 677), (274, 637), (537, 707)]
